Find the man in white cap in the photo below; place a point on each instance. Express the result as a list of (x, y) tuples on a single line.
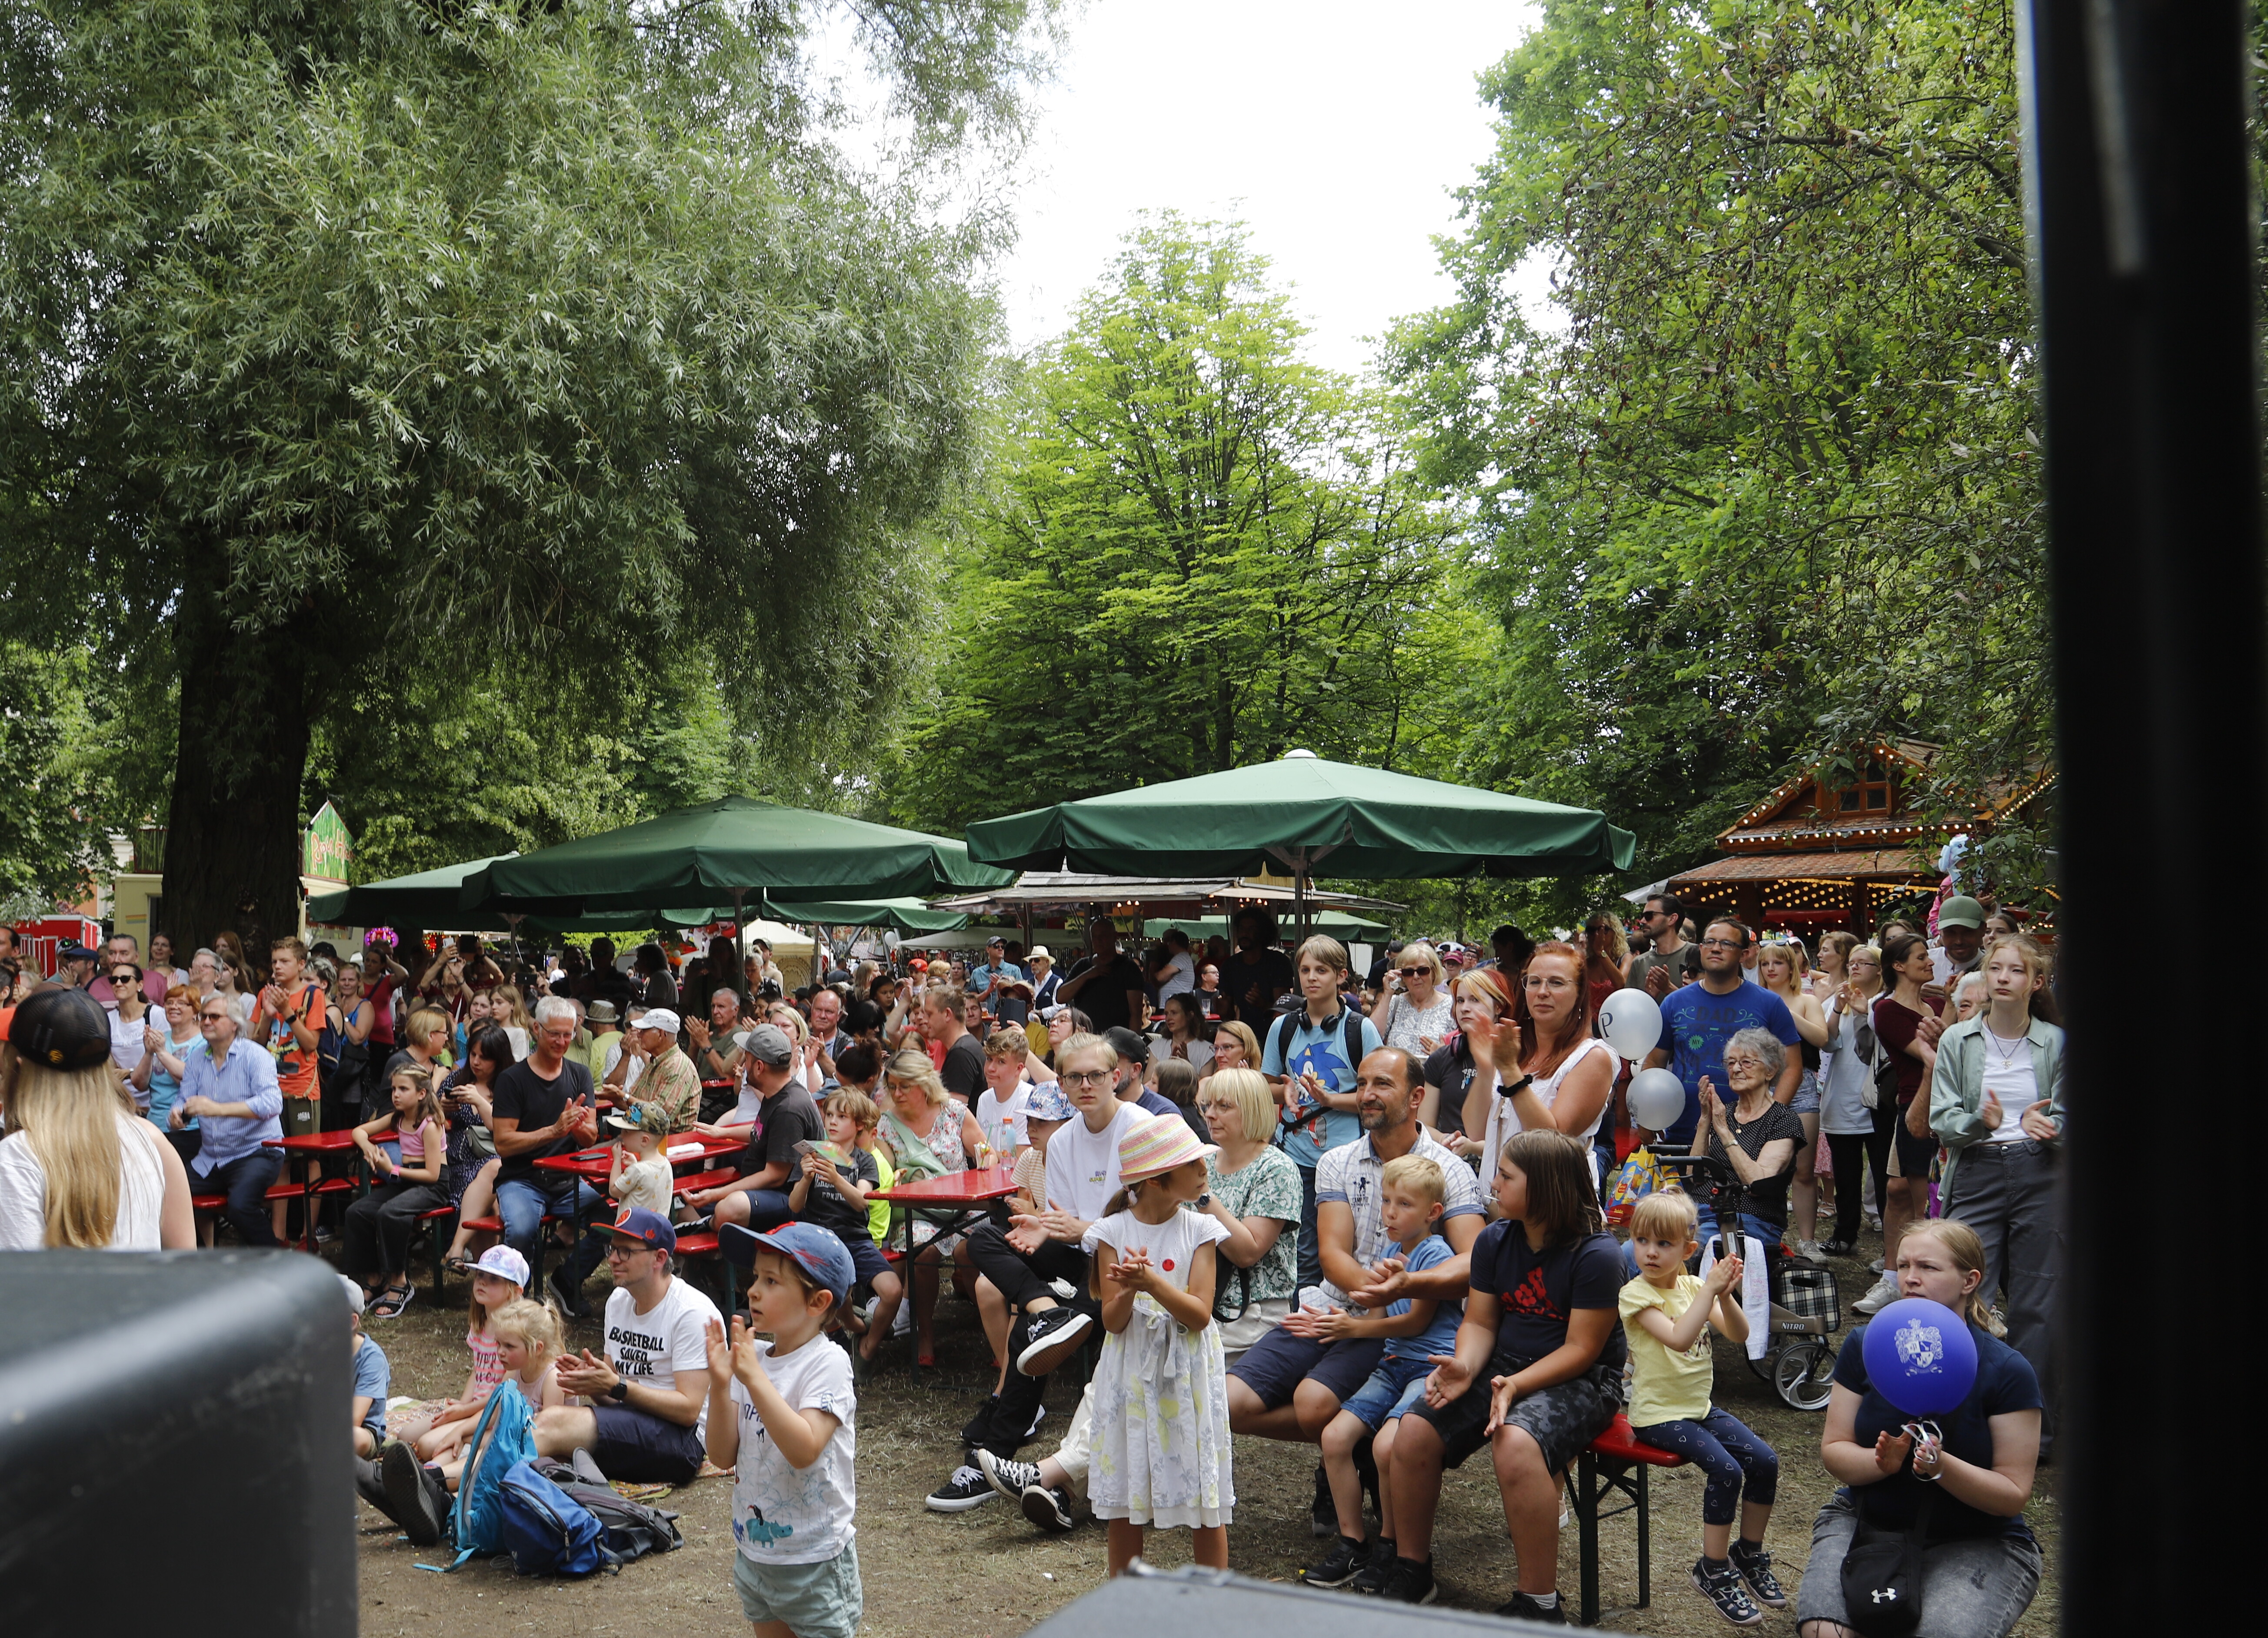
[(669, 1078)]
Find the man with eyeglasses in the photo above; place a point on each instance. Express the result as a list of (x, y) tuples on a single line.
[(541, 1107), (1664, 952), (1698, 1019), (229, 1088)]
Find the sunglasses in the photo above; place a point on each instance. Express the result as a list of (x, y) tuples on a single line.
[(1415, 972)]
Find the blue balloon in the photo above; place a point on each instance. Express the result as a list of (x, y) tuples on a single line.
[(1920, 1356)]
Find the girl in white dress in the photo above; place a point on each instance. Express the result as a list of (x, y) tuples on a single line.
[(1161, 1450)]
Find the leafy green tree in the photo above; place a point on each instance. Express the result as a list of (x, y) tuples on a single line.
[(356, 344), (1774, 489), (1195, 551)]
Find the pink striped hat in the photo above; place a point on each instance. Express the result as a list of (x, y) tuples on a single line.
[(1155, 1146)]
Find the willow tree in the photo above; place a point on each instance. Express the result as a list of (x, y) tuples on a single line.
[(342, 344)]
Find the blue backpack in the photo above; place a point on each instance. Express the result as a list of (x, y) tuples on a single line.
[(548, 1533), (477, 1523)]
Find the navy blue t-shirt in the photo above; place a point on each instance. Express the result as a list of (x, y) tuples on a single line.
[(1695, 1025), (1537, 1291), (2005, 1383)]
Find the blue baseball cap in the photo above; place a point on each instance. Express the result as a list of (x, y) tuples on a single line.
[(814, 1250), (650, 1226)]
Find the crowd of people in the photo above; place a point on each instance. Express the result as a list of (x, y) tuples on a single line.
[(1273, 1196)]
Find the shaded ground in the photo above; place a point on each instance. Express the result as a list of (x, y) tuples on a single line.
[(987, 1573)]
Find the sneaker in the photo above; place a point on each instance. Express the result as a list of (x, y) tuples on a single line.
[(1409, 1582), (410, 1493), (1755, 1569), (1039, 1415), (1722, 1586), (1809, 1251), (1374, 1571), (370, 1485), (1049, 1508), (1339, 1566), (1323, 1517), (1838, 1247), (1524, 1607), (1874, 1219), (1879, 1296), (966, 1489), (569, 1300), (1875, 1267), (1009, 1480), (1045, 1334), (1065, 1290)]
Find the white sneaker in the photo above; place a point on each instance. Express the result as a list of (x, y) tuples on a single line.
[(1809, 1251), (1879, 1296), (902, 1321)]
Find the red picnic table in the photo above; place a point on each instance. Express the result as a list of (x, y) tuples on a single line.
[(305, 1150), (592, 1166), (961, 1195)]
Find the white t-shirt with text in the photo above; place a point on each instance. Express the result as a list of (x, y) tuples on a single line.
[(1083, 1165), (669, 1339)]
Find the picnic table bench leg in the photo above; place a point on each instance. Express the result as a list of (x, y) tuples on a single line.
[(1587, 1528), (1645, 1542)]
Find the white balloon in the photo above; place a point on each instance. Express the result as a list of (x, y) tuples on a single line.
[(1630, 1021), (1657, 1099)]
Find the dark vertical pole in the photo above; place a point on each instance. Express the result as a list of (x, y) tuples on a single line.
[(2145, 269)]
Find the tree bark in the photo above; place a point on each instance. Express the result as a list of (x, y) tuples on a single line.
[(232, 837)]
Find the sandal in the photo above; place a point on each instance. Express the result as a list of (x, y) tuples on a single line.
[(389, 1305), (459, 1265)]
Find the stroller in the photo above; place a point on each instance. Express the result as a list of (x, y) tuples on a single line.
[(1806, 1305)]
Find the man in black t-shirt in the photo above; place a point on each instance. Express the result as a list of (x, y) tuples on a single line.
[(943, 1011), (1257, 974), (541, 1107), (1107, 987), (758, 1198)]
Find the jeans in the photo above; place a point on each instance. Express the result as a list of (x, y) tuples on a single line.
[(377, 1229), (2006, 1192), (1975, 1587), (245, 1180), (1311, 1255), (1727, 1454), (522, 1205)]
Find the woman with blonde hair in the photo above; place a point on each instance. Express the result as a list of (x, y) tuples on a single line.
[(1784, 969), (928, 1135), (508, 1011), (78, 1165), (1234, 1046), (1415, 1011), (1254, 1194), (1484, 995)]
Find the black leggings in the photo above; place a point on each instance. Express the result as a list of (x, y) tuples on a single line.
[(378, 1226), (1023, 1279), (1849, 1152)]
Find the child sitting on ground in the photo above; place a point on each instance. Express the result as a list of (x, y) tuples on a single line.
[(781, 1414), (371, 1378), (832, 1192), (528, 1344), (1161, 1450), (1667, 1314), (437, 1430), (1411, 1190)]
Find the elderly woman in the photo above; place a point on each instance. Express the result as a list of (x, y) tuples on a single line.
[(928, 1135), (1414, 1013), (1755, 1133), (1979, 1565)]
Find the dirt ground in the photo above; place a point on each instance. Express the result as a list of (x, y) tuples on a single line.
[(988, 1574)]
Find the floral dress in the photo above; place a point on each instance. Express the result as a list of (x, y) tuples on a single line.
[(1161, 1448)]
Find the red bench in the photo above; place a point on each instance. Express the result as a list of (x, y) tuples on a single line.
[(1616, 1464)]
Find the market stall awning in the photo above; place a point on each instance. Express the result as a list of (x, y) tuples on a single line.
[(1337, 923), (1893, 864), (904, 915), (1303, 813), (1042, 890)]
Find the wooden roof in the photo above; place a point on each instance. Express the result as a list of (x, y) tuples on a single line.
[(1892, 864), (1793, 815)]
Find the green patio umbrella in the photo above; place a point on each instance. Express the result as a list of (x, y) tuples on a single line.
[(433, 898), (1298, 814), (905, 915), (731, 851)]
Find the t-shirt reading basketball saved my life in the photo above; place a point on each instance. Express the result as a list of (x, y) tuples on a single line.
[(670, 1339), (1537, 1292)]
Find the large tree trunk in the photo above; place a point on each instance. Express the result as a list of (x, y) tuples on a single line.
[(232, 837)]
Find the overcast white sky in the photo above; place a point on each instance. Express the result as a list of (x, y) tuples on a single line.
[(1335, 130)]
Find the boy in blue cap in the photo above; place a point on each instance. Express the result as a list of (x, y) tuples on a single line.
[(781, 1414)]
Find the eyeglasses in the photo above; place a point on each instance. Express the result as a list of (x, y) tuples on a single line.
[(1720, 944), (616, 1253), (1744, 1063), (1084, 1077), (213, 1017), (1415, 972)]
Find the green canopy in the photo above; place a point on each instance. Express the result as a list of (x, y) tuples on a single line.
[(433, 898), (731, 851), (1300, 813), (905, 915)]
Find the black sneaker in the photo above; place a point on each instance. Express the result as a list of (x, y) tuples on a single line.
[(966, 1489), (411, 1495), (1323, 1517), (1049, 1508), (1755, 1569), (370, 1485), (1339, 1565), (1376, 1569), (1722, 1586), (1409, 1582), (569, 1300), (1836, 1248), (1048, 1340), (1009, 1480), (1524, 1607)]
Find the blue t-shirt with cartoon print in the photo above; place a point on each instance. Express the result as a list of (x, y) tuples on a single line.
[(1321, 1047)]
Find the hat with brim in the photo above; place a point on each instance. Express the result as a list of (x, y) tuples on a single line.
[(601, 1012), (662, 1019), (817, 1252), (1048, 1103), (642, 1118), (1156, 1146)]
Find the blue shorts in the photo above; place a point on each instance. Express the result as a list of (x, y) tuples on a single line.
[(1390, 1390), (1806, 1101), (867, 1259), (644, 1449), (1275, 1365), (822, 1600)]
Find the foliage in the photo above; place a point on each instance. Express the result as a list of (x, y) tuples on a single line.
[(360, 344), (1775, 489), (1197, 551)]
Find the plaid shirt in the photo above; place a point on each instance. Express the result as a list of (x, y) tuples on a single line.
[(1349, 1174)]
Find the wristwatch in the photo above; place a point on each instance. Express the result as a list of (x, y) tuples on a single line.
[(1515, 1089), (1205, 1202), (620, 1393)]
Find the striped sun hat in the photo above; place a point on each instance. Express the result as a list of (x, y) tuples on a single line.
[(1155, 1146)]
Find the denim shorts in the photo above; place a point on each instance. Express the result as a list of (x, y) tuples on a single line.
[(1806, 1101), (1390, 1390), (1275, 1365), (822, 1600)]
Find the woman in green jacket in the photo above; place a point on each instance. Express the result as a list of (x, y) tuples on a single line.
[(1995, 1103)]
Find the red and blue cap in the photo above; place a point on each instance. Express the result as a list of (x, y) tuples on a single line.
[(821, 1255), (650, 1226)]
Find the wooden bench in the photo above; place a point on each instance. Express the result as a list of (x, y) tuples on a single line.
[(1616, 1464)]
